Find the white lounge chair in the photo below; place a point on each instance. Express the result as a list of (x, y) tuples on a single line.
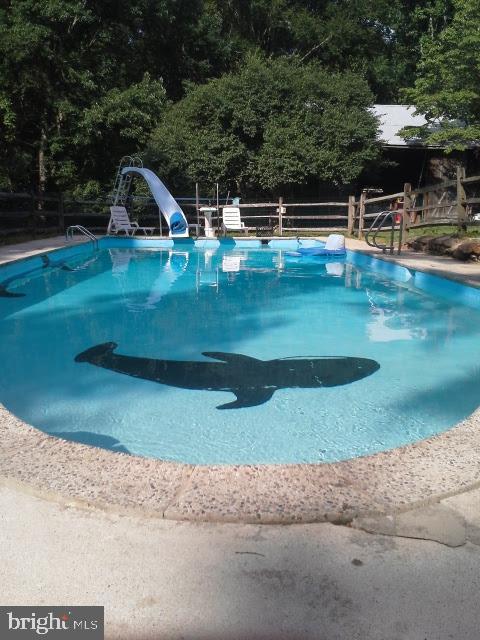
[(231, 219), (119, 221)]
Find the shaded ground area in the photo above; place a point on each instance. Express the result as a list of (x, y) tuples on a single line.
[(177, 580)]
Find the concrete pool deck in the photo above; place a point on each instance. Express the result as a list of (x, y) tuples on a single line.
[(442, 266), (393, 481), (169, 580), (21, 250)]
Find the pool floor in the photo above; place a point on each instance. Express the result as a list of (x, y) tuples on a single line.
[(233, 355)]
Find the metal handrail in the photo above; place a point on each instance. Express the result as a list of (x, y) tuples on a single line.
[(81, 229), (122, 183), (383, 216)]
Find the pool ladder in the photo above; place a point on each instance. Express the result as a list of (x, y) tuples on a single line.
[(81, 229), (380, 221), (122, 184)]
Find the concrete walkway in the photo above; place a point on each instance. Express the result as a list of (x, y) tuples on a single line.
[(443, 266), (167, 580), (32, 247)]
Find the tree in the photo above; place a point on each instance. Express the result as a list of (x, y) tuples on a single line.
[(82, 82), (447, 89), (118, 123), (7, 136), (73, 72), (270, 125), (379, 39)]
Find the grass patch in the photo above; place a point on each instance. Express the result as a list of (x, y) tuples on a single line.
[(444, 230)]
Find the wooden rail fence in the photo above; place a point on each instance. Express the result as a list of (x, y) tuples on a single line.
[(452, 202)]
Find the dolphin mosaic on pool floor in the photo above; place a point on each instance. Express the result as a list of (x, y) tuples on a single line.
[(252, 381), (75, 473)]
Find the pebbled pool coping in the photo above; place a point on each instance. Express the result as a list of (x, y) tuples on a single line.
[(80, 475)]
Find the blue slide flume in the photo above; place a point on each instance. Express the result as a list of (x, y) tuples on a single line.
[(171, 210)]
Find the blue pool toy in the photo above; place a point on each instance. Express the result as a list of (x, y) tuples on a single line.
[(320, 251), (334, 246)]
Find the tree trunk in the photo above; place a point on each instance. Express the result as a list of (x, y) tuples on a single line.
[(42, 169)]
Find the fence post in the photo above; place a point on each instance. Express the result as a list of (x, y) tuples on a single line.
[(34, 216), (426, 204), (351, 215), (197, 207), (61, 214), (461, 197), (405, 221), (361, 213), (280, 215)]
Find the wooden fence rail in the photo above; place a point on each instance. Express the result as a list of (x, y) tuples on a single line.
[(447, 202)]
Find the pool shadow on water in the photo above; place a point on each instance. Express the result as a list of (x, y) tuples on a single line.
[(92, 439), (444, 399), (51, 280)]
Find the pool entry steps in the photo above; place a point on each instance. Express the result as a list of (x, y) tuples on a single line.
[(378, 225), (84, 231)]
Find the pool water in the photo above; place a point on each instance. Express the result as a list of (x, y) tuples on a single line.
[(309, 359)]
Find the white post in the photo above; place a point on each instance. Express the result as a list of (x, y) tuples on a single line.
[(280, 215), (197, 205), (218, 209)]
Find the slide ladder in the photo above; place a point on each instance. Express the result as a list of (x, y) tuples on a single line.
[(123, 182)]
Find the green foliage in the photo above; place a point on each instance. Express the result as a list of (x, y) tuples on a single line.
[(447, 88), (83, 83), (272, 124), (377, 38), (7, 136), (119, 123), (76, 94)]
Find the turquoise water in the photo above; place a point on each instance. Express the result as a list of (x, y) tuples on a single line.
[(172, 305)]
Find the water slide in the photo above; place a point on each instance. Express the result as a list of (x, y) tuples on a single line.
[(172, 212)]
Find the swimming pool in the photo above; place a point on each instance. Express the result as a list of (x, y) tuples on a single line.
[(234, 353)]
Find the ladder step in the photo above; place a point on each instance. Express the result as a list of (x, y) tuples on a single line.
[(123, 183)]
